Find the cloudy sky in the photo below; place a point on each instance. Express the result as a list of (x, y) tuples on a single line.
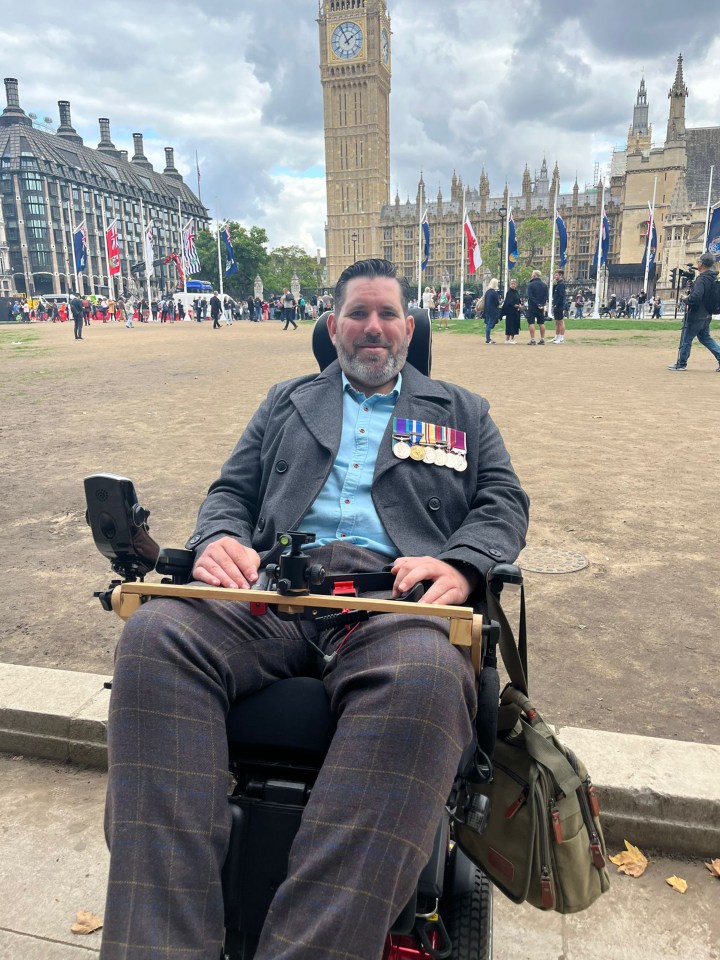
[(484, 83)]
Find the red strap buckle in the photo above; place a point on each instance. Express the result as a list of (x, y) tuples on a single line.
[(257, 609), (344, 588)]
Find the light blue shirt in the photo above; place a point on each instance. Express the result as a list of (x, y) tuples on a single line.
[(344, 508)]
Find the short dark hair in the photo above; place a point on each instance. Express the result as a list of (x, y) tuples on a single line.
[(560, 273), (372, 268), (707, 260)]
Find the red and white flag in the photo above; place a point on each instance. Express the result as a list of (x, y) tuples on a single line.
[(473, 248), (113, 250)]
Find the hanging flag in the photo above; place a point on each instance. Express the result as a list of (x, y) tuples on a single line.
[(426, 241), (713, 237), (231, 266), (80, 244), (113, 250), (562, 234), (604, 242), (192, 261), (512, 244), (473, 247), (650, 241), (149, 250)]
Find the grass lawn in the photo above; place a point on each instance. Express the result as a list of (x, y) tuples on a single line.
[(607, 323)]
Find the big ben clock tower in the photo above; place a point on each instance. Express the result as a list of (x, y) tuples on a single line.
[(355, 75)]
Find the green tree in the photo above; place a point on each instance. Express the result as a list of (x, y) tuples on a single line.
[(283, 262), (533, 240), (249, 247)]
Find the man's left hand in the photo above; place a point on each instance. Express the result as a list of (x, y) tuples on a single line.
[(449, 585)]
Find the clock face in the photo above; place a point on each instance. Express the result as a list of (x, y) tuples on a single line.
[(347, 40), (385, 45)]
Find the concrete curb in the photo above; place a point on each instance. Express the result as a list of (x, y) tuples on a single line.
[(660, 794)]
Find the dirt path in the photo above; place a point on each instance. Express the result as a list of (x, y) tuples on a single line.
[(619, 457)]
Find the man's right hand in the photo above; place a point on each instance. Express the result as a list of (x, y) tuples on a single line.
[(227, 563)]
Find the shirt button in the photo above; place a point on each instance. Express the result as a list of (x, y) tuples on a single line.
[(361, 430), (356, 465), (366, 409), (343, 534), (347, 501)]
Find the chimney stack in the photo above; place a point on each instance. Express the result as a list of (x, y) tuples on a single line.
[(139, 157), (66, 129), (123, 155), (170, 170), (13, 112), (106, 145)]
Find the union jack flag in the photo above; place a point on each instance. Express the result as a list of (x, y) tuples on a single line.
[(192, 261)]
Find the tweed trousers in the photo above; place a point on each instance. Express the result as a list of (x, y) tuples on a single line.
[(403, 697)]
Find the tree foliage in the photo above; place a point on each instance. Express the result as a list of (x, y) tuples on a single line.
[(283, 262), (251, 256), (534, 237)]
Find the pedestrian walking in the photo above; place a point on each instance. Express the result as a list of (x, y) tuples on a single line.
[(492, 308), (215, 309), (78, 314), (288, 305), (510, 309), (537, 307), (699, 305), (444, 304)]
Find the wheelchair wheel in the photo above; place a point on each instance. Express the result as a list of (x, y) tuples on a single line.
[(467, 910)]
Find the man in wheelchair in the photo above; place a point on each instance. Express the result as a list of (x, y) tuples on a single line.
[(389, 468)]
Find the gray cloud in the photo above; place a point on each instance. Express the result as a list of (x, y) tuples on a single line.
[(488, 84)]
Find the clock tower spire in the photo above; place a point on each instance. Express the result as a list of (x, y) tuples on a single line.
[(355, 74)]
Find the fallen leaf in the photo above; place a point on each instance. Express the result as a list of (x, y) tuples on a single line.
[(677, 883), (86, 923), (630, 861), (597, 418), (714, 868)]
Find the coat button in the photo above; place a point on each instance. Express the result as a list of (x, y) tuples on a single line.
[(195, 539), (494, 553), (281, 466), (434, 503)]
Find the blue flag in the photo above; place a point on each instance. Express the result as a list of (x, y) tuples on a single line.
[(80, 246), (231, 266), (562, 234), (650, 243), (512, 244), (604, 242), (426, 241), (712, 244)]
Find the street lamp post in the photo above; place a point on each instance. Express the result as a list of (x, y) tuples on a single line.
[(354, 239), (502, 213)]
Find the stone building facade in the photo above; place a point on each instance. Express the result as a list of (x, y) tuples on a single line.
[(51, 183)]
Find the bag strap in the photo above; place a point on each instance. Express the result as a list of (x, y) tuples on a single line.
[(514, 655), (545, 752)]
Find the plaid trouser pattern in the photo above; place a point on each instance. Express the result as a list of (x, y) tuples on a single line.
[(403, 697)]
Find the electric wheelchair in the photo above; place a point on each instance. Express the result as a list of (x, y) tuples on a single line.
[(279, 736)]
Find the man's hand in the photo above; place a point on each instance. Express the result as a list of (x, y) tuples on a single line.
[(449, 585), (227, 563)]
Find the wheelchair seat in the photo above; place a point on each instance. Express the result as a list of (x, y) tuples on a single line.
[(290, 715)]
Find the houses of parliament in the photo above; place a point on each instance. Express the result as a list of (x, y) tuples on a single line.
[(362, 220)]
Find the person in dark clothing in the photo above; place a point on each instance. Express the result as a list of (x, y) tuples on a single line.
[(215, 310), (511, 311), (251, 309), (558, 306), (697, 314), (492, 308), (537, 307), (288, 304), (78, 313)]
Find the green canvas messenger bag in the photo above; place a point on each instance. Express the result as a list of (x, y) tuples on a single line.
[(542, 842)]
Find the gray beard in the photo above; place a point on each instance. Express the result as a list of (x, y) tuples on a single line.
[(372, 374)]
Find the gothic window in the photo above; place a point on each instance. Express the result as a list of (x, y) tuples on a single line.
[(408, 233), (342, 101), (450, 230), (409, 251), (359, 154), (584, 245), (388, 252), (450, 251), (387, 233)]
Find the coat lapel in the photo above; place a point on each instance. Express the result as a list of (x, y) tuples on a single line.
[(319, 404)]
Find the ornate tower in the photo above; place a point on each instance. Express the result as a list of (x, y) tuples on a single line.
[(677, 97), (640, 133), (355, 75)]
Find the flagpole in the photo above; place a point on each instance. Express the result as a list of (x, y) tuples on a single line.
[(420, 256), (222, 292), (182, 247), (596, 313), (552, 248), (197, 170), (506, 251), (649, 239), (72, 232), (145, 253), (707, 212), (462, 260), (111, 286)]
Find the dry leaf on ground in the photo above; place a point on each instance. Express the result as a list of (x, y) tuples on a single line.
[(630, 861), (86, 923), (714, 868), (677, 883)]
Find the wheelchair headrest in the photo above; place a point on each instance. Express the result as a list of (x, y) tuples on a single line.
[(419, 353)]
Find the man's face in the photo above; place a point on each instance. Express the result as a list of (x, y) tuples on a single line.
[(513, 284), (371, 333)]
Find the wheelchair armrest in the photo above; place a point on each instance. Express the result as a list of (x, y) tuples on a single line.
[(503, 574), (176, 563)]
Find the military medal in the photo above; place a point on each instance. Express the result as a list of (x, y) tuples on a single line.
[(417, 452), (459, 452), (450, 459), (404, 434), (429, 455), (440, 457), (401, 449)]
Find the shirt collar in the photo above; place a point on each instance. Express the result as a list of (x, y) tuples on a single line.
[(358, 395)]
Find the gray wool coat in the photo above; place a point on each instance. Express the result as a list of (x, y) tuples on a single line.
[(271, 479)]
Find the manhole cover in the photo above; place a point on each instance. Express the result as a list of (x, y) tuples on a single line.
[(550, 560)]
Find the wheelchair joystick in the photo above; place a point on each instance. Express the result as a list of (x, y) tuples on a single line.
[(294, 573)]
